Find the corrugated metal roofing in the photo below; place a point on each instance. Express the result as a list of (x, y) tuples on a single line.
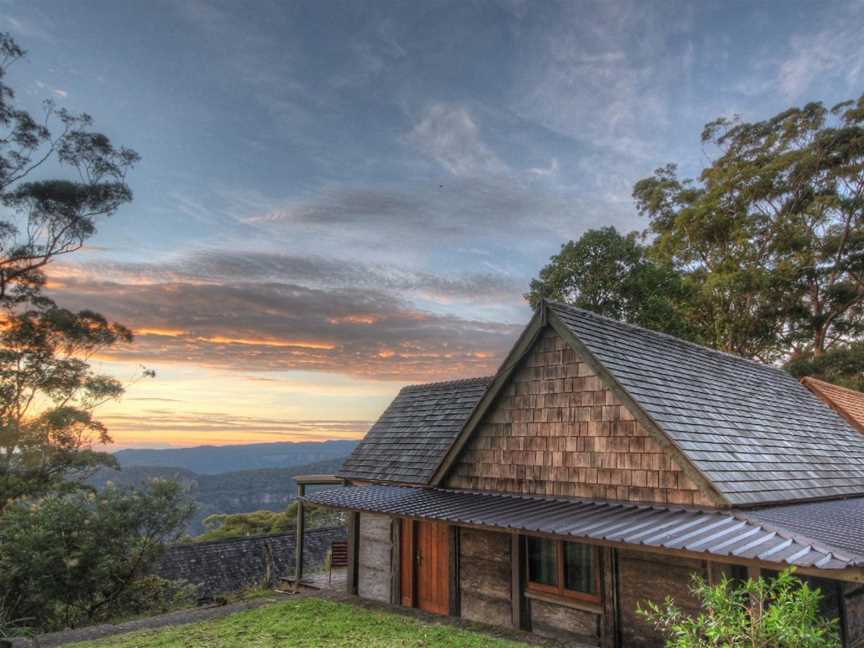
[(712, 532), (752, 430), (406, 444)]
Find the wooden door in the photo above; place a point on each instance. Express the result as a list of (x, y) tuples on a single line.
[(433, 567)]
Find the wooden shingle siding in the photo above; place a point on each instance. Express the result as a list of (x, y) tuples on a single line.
[(556, 429), (375, 557), (484, 576)]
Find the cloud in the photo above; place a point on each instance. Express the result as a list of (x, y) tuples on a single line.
[(834, 53), (607, 81), (265, 326), (449, 135), (550, 170), (221, 266), (213, 425)]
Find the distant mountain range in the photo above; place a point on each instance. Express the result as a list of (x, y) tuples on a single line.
[(229, 479), (214, 460)]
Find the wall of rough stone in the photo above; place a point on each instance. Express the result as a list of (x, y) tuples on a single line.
[(231, 565)]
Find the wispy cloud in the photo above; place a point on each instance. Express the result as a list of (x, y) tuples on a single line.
[(281, 327), (449, 135), (833, 53), (227, 428)]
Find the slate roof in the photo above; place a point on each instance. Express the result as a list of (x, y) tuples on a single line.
[(711, 532), (406, 444), (839, 523), (752, 430), (848, 402)]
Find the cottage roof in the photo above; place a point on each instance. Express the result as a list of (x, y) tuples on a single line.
[(719, 533), (847, 402), (406, 444), (748, 433), (752, 430)]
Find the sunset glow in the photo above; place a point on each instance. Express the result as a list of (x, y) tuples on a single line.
[(350, 199)]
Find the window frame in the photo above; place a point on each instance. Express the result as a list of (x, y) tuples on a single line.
[(560, 574)]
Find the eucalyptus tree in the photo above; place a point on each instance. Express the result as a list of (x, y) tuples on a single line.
[(770, 235), (48, 391)]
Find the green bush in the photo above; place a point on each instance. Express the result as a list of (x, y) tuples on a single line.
[(221, 526), (781, 612), (79, 558)]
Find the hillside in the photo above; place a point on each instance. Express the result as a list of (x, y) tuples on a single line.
[(241, 491), (214, 460)]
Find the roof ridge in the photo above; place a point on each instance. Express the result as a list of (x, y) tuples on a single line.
[(674, 338), (812, 379), (449, 383)]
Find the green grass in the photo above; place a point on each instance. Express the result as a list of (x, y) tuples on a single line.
[(307, 622)]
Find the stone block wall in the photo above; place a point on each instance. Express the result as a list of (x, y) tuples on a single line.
[(232, 565)]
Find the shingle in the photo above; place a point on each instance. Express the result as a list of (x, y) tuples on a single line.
[(409, 440), (848, 402), (753, 430), (839, 523)]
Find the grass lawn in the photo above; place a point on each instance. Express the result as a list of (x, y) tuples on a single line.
[(307, 622)]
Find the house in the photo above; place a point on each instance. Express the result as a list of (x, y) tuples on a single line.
[(602, 466), (847, 402)]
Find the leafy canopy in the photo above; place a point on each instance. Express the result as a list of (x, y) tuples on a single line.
[(237, 525), (48, 392), (771, 234), (67, 560), (781, 612), (761, 255), (611, 274)]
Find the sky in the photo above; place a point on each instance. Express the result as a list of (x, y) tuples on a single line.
[(336, 199)]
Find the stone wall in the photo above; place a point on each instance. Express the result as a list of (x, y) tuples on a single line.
[(239, 563)]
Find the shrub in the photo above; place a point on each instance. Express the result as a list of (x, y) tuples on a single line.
[(781, 612)]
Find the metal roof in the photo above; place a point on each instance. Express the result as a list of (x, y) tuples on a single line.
[(711, 532), (406, 444), (752, 430)]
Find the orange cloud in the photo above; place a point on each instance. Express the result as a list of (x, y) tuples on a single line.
[(355, 319), (161, 332), (282, 344)]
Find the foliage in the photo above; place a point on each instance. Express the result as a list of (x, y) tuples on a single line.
[(80, 557), (771, 235), (843, 365), (50, 217), (611, 274), (238, 525), (308, 622), (47, 390), (47, 396), (781, 612)]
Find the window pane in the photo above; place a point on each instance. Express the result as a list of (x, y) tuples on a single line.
[(579, 568), (542, 561)]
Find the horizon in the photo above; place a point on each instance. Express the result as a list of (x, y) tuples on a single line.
[(336, 201)]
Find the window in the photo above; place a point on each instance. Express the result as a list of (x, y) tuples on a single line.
[(563, 568)]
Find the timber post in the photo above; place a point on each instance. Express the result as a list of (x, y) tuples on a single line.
[(353, 553), (299, 537)]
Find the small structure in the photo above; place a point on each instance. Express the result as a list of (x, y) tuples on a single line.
[(846, 402), (302, 482), (602, 466)]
